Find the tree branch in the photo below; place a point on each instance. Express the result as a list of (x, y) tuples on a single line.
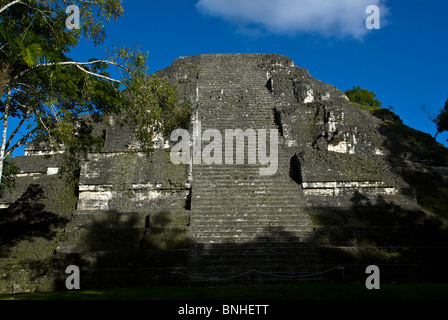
[(19, 125), (20, 142), (9, 5), (48, 132), (429, 114), (77, 64), (96, 75)]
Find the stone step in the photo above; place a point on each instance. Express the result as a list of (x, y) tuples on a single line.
[(242, 122), (210, 189), (255, 220), (281, 244), (244, 183), (250, 231), (281, 177), (282, 158), (212, 258), (263, 218), (220, 223), (233, 179), (241, 158), (237, 174), (239, 123), (239, 147), (272, 262), (254, 260), (245, 207), (240, 225), (249, 212), (228, 112), (247, 179), (213, 192), (268, 214), (263, 213), (216, 223), (255, 187), (245, 190), (267, 208), (245, 187), (244, 125), (238, 113), (255, 247), (244, 272), (236, 238)]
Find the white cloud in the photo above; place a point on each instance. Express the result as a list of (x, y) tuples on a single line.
[(340, 18)]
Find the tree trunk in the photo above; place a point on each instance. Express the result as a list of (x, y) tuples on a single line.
[(4, 135)]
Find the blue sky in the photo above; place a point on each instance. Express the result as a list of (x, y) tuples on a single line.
[(404, 62)]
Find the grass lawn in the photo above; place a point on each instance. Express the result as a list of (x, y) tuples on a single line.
[(312, 291)]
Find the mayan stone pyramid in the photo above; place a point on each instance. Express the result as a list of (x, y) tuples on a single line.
[(341, 194)]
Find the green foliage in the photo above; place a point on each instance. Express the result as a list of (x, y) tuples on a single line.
[(8, 177), (363, 97), (30, 54), (39, 83), (48, 91), (150, 102), (442, 119), (155, 109)]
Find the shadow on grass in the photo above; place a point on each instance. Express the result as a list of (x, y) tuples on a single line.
[(302, 292)]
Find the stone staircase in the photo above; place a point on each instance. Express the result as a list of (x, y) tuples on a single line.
[(241, 220)]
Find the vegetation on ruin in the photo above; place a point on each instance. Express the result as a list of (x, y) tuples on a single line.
[(363, 97), (441, 121)]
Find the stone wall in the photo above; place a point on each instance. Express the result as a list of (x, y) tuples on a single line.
[(32, 223)]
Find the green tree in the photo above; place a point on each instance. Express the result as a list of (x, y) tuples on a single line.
[(44, 90), (363, 96), (441, 120)]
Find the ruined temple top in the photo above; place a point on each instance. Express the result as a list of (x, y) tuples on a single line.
[(278, 73), (239, 57)]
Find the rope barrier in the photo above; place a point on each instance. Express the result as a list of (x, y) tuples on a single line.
[(212, 279), (253, 271), (301, 276)]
